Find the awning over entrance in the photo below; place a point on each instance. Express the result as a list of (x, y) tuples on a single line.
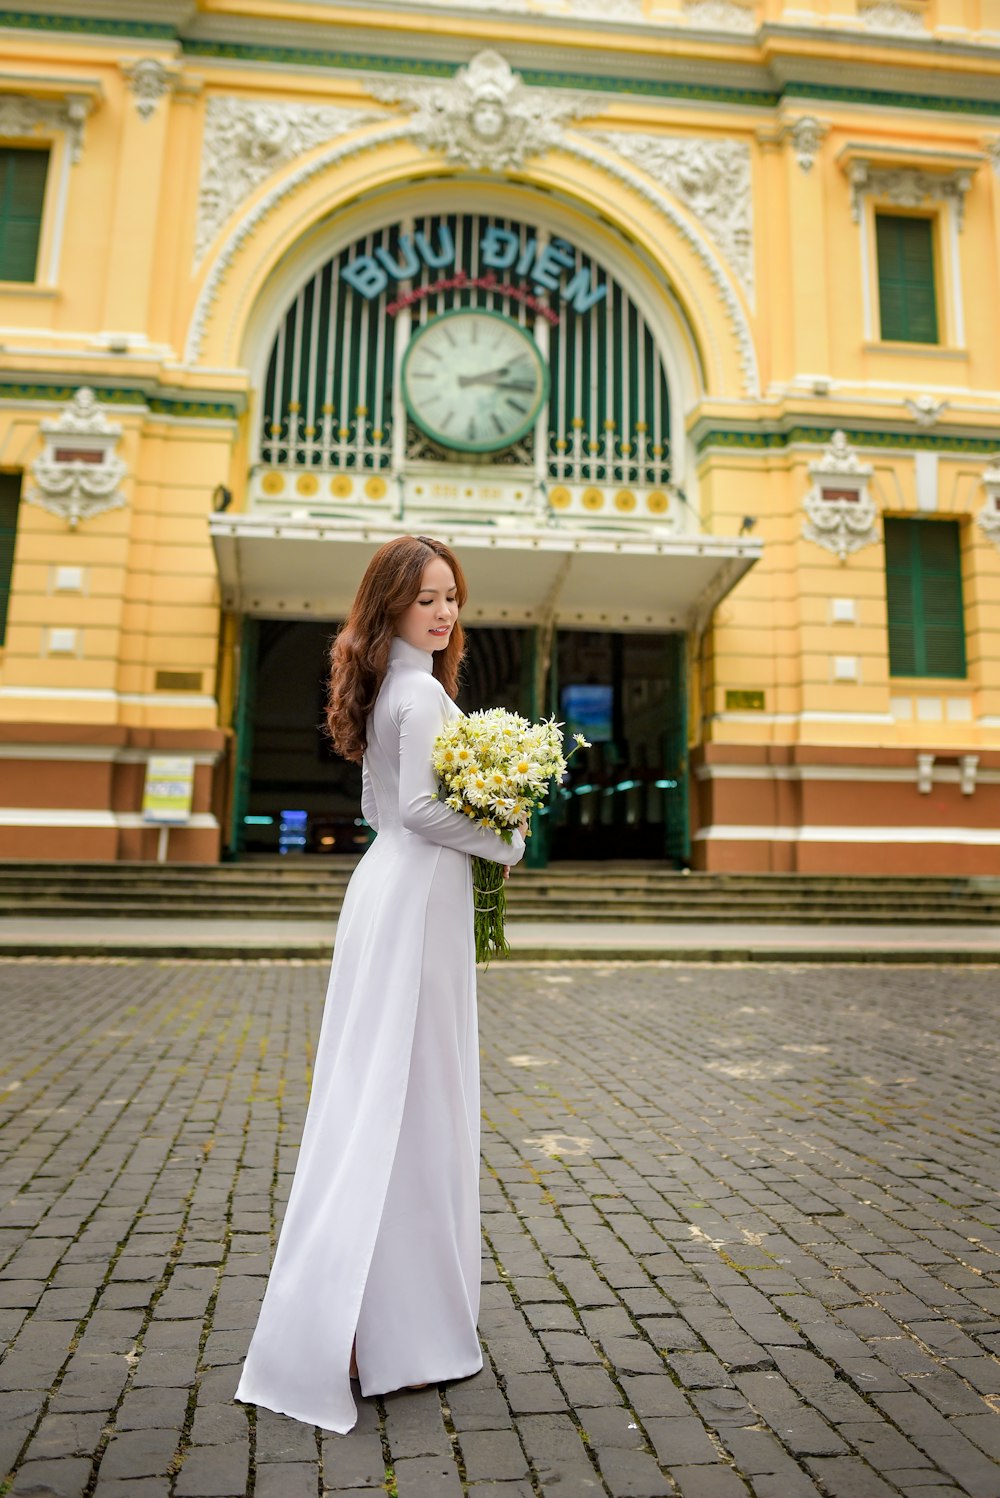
[(310, 568)]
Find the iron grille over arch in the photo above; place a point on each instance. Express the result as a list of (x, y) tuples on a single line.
[(330, 402)]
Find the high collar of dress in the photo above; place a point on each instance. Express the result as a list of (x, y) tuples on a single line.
[(402, 653)]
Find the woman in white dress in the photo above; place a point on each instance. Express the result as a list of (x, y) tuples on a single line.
[(377, 1269)]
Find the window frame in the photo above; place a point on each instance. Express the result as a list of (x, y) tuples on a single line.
[(54, 202), (920, 651), (36, 148), (16, 478), (947, 280), (932, 219)]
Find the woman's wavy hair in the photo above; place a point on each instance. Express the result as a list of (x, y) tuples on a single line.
[(359, 656)]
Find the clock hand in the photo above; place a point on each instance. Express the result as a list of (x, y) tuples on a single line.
[(489, 378)]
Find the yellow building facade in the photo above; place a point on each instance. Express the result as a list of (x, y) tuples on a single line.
[(679, 321)]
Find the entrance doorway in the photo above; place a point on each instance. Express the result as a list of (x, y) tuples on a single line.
[(625, 797), (298, 796)]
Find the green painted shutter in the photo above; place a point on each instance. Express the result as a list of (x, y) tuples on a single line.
[(923, 565), (10, 494), (907, 303), (22, 193)]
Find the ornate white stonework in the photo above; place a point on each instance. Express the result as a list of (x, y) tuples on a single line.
[(848, 522), (148, 79), (25, 116), (806, 135), (79, 473), (889, 15), (720, 15), (484, 117), (926, 410), (524, 121), (245, 142), (908, 187), (988, 518), (992, 148), (710, 178)]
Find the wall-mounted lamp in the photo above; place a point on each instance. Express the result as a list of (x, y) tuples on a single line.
[(222, 498), (749, 521)]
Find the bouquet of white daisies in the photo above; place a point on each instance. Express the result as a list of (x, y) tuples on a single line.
[(496, 768)]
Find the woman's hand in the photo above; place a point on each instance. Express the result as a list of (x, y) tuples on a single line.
[(522, 828)]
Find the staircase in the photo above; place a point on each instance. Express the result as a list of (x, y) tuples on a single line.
[(307, 889)]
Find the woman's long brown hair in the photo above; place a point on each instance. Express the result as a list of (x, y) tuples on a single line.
[(359, 656)]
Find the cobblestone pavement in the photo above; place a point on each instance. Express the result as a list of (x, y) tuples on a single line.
[(740, 1235)]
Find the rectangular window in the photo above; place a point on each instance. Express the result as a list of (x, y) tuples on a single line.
[(10, 495), (906, 295), (923, 567), (22, 193)]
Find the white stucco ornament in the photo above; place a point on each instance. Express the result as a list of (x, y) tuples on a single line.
[(988, 518), (710, 178), (720, 15), (890, 16), (909, 187), (22, 116), (149, 80), (484, 117), (246, 141), (806, 135), (79, 473), (926, 410), (840, 512)]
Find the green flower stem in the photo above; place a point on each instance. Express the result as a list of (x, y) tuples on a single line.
[(489, 899)]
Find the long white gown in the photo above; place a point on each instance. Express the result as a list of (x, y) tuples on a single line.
[(381, 1235)]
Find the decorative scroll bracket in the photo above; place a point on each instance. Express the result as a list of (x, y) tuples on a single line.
[(840, 512), (79, 473)]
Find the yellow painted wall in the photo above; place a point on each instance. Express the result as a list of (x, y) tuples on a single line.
[(127, 273)]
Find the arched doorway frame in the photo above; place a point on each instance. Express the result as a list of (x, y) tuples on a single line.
[(337, 177), (600, 237)]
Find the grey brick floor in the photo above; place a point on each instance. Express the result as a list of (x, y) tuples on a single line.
[(740, 1235)]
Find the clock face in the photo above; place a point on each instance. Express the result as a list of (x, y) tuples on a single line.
[(473, 380)]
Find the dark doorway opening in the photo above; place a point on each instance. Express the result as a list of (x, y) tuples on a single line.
[(302, 797), (625, 797)]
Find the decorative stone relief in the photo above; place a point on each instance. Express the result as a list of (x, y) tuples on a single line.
[(925, 410), (79, 473), (148, 79), (523, 121), (908, 187), (806, 135), (992, 148), (485, 116), (22, 116), (711, 178), (840, 512), (889, 15), (246, 141), (988, 518), (720, 15)]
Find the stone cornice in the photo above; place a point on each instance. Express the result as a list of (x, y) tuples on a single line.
[(155, 400), (794, 431)]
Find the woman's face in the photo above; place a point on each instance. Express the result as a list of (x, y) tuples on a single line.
[(429, 620)]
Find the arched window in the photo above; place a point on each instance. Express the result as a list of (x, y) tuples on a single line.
[(331, 401)]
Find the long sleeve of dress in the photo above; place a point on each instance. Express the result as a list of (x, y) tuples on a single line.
[(420, 721), (369, 807)]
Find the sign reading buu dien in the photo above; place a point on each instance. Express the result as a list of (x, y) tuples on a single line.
[(544, 266), (169, 790)]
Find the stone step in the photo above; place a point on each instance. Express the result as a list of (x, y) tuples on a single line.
[(525, 907), (169, 878), (538, 884), (308, 890)]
